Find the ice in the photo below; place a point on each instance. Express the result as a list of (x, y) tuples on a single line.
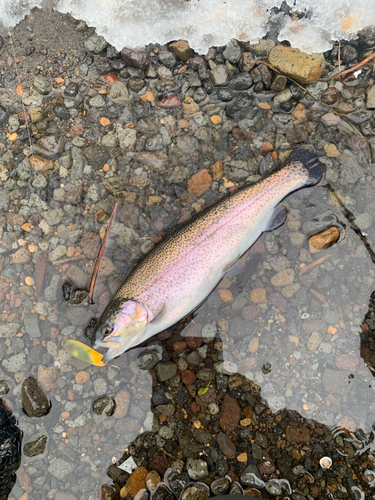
[(206, 23)]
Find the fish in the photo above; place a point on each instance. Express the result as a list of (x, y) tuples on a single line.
[(183, 269)]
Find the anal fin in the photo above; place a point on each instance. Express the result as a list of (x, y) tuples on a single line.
[(277, 218)]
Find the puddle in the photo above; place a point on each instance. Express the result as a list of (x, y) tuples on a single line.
[(280, 357)]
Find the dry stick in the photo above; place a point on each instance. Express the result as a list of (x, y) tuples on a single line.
[(100, 255), (349, 70), (325, 105), (311, 266)]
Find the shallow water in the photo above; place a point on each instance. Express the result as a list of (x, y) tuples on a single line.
[(297, 342)]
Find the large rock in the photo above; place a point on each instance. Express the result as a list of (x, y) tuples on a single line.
[(181, 49), (120, 93), (34, 402), (306, 68), (50, 146), (136, 58)]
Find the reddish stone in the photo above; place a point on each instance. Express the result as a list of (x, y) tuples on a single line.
[(164, 335), (249, 363), (112, 77), (76, 130), (298, 435), (184, 218), (230, 414), (180, 346), (258, 247), (194, 407), (209, 396), (347, 362), (239, 134), (366, 353), (158, 224), (71, 395), (13, 219), (193, 336), (226, 445), (188, 377), (159, 463), (266, 467), (169, 101), (53, 333), (233, 476), (195, 62)]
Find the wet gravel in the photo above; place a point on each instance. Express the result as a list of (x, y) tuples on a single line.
[(275, 370)]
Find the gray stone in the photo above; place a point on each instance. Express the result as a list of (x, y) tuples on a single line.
[(232, 52), (14, 363), (32, 325), (370, 97), (226, 445), (8, 330), (178, 175), (364, 221), (97, 101), (165, 371), (336, 382), (32, 98), (79, 162), (219, 75), (60, 468), (120, 93), (40, 181), (53, 216), (50, 146), (4, 199), (127, 137), (147, 360), (42, 85), (167, 58), (95, 44), (350, 170), (197, 469), (100, 386)]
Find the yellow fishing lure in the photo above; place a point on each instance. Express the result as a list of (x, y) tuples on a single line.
[(83, 352)]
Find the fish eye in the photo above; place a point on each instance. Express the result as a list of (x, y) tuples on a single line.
[(106, 331)]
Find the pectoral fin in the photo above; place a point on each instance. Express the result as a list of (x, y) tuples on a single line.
[(159, 317), (277, 218), (237, 266)]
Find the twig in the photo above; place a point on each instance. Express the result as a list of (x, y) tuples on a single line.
[(69, 259), (311, 266), (349, 70), (100, 255)]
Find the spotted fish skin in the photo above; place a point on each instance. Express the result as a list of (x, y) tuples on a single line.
[(179, 273)]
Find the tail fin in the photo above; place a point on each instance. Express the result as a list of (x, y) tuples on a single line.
[(309, 160)]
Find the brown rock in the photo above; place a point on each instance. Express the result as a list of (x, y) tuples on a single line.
[(13, 219), (82, 377), (179, 346), (136, 58), (283, 278), (24, 480), (122, 403), (347, 362), (345, 107), (226, 445), (22, 256), (90, 244), (181, 49), (217, 170), (247, 61), (330, 96), (36, 114), (136, 481), (306, 68), (230, 413), (250, 312), (258, 295), (40, 164), (314, 341), (189, 106), (152, 480), (324, 239), (188, 377), (346, 422), (266, 467), (159, 463), (290, 290), (108, 492), (47, 377), (297, 435)]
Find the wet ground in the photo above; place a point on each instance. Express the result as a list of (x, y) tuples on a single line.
[(275, 371)]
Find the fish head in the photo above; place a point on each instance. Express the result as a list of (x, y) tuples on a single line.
[(121, 328)]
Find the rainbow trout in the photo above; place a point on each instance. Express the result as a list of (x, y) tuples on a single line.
[(181, 271)]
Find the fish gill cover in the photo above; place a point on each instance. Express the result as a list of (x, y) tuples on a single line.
[(311, 26)]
